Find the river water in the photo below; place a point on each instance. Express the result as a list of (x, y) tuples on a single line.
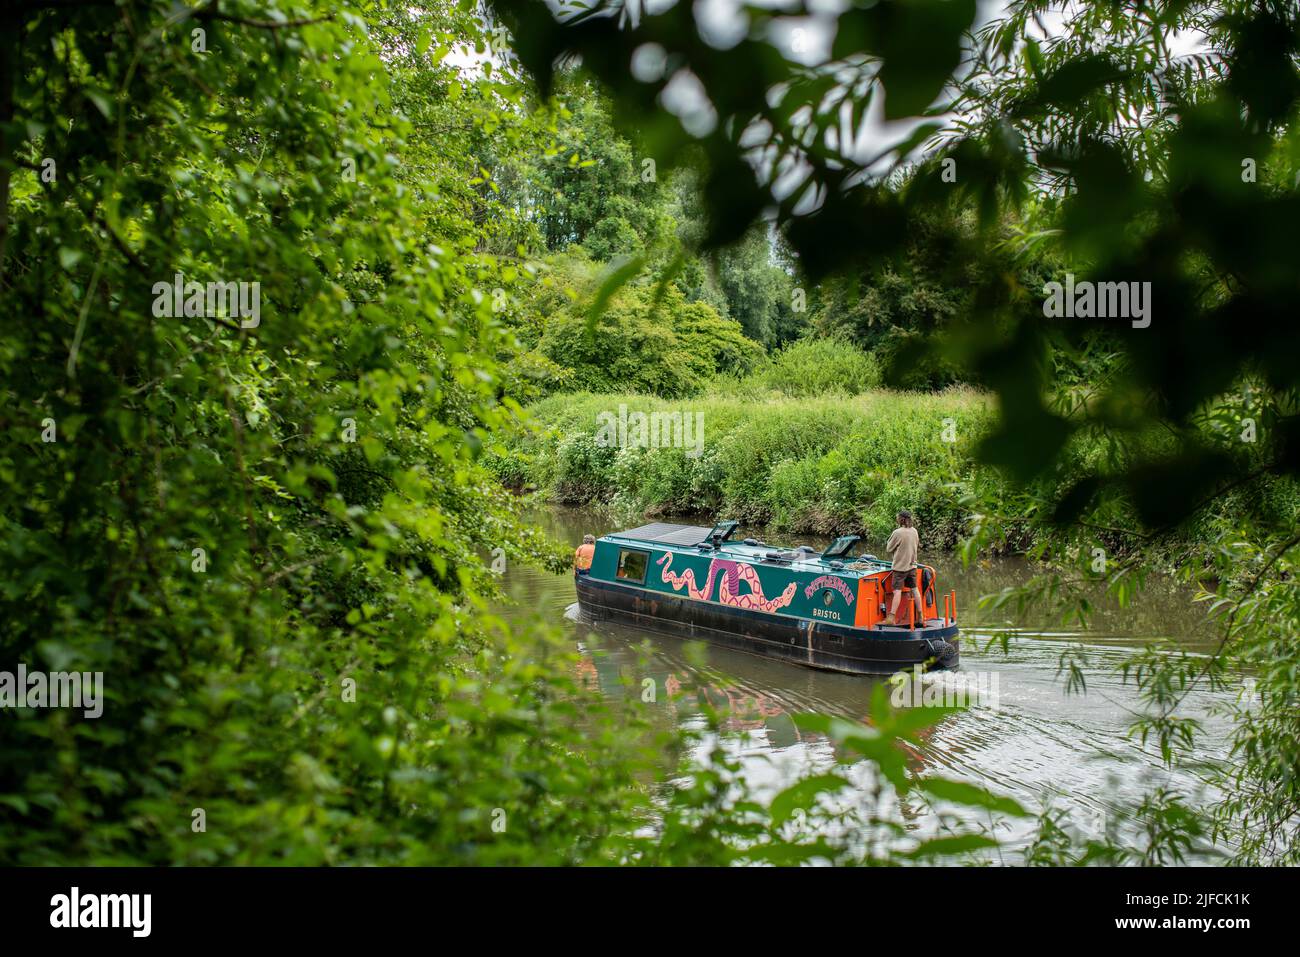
[(1026, 736)]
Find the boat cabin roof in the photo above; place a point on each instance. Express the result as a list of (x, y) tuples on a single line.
[(690, 537), (667, 534)]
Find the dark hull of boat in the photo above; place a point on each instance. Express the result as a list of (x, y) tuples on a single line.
[(814, 644)]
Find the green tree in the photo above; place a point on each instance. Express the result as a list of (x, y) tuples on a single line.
[(264, 528), (756, 288), (588, 185), (663, 346)]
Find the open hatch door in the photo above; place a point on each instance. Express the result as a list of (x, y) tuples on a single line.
[(842, 548), (721, 532)]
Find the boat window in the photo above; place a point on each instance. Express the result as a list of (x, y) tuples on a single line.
[(631, 565)]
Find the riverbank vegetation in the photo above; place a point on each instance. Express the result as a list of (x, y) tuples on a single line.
[(846, 464), (458, 235), (816, 464)]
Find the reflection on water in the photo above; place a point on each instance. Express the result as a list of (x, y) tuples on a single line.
[(1031, 740)]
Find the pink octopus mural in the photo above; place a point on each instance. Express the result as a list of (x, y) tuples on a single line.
[(733, 573)]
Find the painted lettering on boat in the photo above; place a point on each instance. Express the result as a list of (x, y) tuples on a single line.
[(733, 573), (830, 581)]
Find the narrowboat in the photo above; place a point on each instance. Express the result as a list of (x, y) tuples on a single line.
[(826, 610)]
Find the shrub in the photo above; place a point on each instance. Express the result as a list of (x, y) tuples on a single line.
[(819, 366), (668, 348)]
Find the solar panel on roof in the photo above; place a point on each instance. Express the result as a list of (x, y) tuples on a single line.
[(667, 533)]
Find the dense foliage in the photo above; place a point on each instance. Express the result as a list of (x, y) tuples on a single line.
[(661, 345), (264, 535)]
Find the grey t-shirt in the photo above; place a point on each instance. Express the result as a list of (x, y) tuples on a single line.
[(903, 544)]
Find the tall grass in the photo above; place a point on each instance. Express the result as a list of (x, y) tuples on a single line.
[(808, 367), (822, 464), (847, 464)]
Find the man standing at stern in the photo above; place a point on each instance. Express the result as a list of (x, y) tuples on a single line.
[(903, 545)]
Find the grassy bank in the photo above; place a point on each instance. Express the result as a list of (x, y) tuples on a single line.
[(830, 463), (844, 463)]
